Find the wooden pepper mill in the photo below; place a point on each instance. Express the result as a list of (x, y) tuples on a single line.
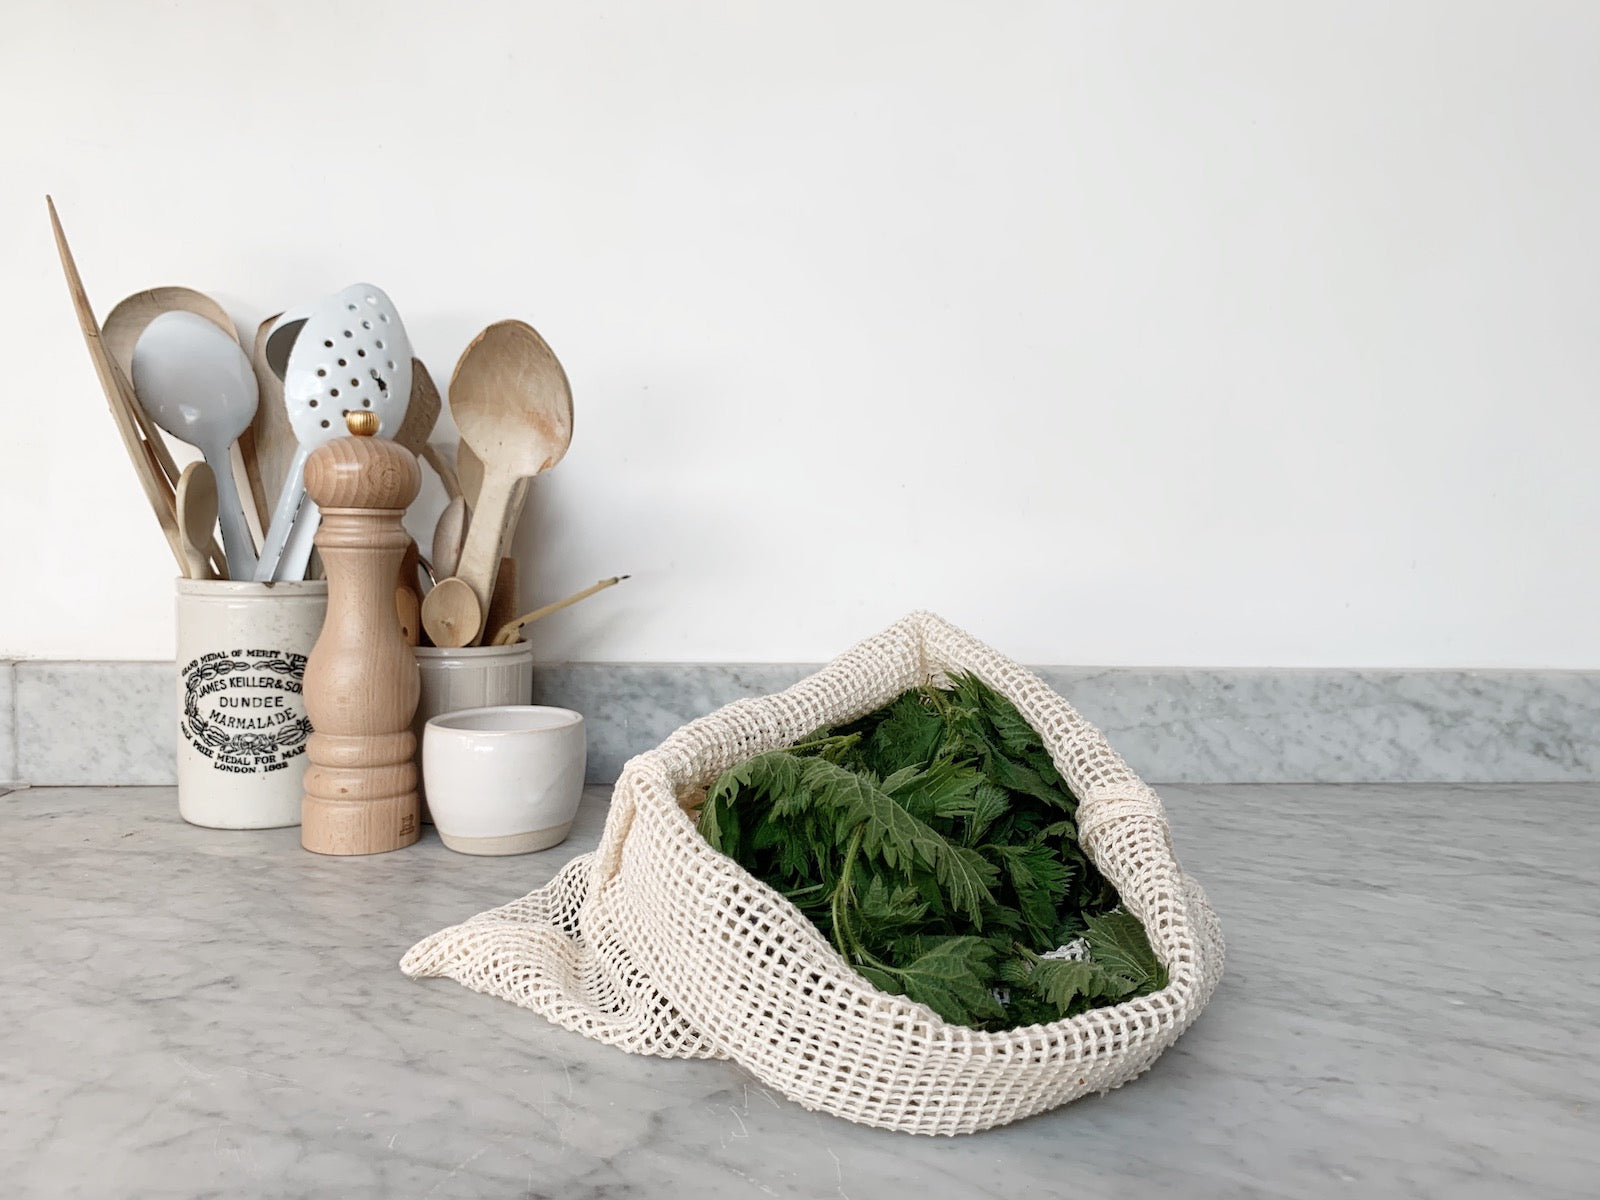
[(361, 680)]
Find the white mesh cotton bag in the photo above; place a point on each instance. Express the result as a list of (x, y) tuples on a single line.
[(658, 943)]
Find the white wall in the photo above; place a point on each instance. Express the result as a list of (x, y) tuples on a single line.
[(1156, 333)]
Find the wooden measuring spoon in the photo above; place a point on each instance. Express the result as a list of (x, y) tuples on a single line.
[(197, 518), (513, 405)]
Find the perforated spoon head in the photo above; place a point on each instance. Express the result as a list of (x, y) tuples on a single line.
[(352, 353)]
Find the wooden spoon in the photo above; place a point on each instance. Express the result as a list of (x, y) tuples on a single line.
[(503, 600), (269, 444), (469, 470), (434, 457), (422, 412), (513, 405), (448, 537), (123, 327), (156, 484), (407, 599), (197, 518)]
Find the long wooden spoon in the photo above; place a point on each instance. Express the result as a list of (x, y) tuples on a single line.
[(269, 444), (157, 486), (513, 405)]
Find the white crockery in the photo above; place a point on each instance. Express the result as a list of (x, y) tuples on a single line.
[(468, 677), (505, 779)]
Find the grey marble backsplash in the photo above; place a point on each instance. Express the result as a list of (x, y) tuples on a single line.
[(103, 723), (8, 724)]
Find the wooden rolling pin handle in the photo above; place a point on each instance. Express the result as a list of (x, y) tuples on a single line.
[(361, 681)]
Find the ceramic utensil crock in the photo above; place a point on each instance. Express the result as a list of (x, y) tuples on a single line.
[(242, 725)]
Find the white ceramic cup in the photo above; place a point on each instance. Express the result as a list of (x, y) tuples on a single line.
[(469, 677), (242, 725), (505, 779)]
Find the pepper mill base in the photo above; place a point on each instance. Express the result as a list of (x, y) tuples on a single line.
[(367, 826)]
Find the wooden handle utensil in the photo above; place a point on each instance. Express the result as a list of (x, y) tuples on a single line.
[(509, 632)]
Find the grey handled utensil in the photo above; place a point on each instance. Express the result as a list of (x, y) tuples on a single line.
[(196, 384), (351, 352)]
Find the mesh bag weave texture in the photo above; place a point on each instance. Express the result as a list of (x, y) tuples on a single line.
[(657, 943)]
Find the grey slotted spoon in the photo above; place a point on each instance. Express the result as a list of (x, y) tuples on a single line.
[(351, 353)]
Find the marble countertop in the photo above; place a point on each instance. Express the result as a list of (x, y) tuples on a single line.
[(1409, 1011)]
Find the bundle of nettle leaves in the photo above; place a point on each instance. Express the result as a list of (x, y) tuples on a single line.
[(933, 842)]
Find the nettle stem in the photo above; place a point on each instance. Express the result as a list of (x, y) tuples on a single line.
[(844, 938), (837, 739)]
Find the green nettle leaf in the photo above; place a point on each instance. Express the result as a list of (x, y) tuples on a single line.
[(888, 831), (989, 804), (948, 977), (1061, 981), (967, 877), (893, 783), (1040, 881), (943, 791), (926, 841), (1117, 941), (795, 858), (889, 906), (774, 776), (1018, 777), (884, 981), (909, 733), (719, 823), (1013, 730)]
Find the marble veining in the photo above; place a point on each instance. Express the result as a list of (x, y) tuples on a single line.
[(8, 726), (1408, 1012), (630, 707), (1344, 726), (92, 723), (112, 723)]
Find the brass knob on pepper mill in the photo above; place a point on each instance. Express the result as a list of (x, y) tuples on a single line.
[(361, 680)]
